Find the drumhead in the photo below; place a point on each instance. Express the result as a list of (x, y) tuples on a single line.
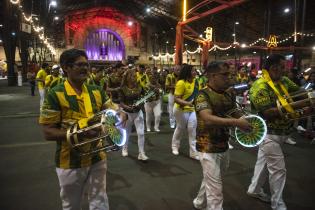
[(114, 128), (256, 135)]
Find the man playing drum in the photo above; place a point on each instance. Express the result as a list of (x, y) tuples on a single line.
[(264, 93), (67, 104), (212, 105)]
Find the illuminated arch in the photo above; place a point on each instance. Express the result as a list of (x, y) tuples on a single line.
[(105, 44)]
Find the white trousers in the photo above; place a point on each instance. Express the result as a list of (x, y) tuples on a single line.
[(214, 165), (153, 108), (41, 96), (74, 182), (170, 109), (138, 121), (185, 121), (270, 159)]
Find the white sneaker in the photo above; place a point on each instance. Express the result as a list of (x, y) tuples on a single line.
[(124, 153), (231, 146), (157, 130), (261, 196), (142, 156), (197, 204), (289, 141), (300, 129), (148, 130), (172, 126), (175, 151), (196, 157)]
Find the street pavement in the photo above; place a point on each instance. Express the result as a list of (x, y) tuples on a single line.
[(166, 182)]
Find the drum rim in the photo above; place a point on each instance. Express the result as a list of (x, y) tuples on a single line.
[(263, 136)]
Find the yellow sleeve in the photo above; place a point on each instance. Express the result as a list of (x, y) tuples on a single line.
[(180, 88), (39, 74), (48, 80)]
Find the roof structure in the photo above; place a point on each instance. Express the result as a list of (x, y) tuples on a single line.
[(256, 18)]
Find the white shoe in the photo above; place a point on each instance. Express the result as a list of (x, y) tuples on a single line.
[(195, 156), (261, 196), (148, 130), (231, 146), (289, 141), (175, 151), (142, 156), (197, 204), (156, 130), (172, 126), (300, 129), (124, 153)]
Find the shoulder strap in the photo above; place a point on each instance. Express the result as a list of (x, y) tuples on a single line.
[(194, 93)]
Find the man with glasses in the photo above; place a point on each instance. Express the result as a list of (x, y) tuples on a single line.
[(65, 105), (264, 93), (212, 105)]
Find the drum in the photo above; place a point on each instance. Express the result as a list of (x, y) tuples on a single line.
[(256, 135), (302, 102), (109, 134)]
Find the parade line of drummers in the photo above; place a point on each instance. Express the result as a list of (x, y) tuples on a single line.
[(197, 104), (147, 78)]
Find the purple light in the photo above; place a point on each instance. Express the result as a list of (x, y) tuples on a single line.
[(106, 45)]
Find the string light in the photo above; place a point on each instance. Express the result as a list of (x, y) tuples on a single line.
[(15, 2), (37, 29), (198, 50)]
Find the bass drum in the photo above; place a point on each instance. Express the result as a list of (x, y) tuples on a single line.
[(256, 136)]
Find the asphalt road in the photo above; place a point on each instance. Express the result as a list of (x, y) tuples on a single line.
[(166, 182)]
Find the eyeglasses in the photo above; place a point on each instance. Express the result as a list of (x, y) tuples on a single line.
[(81, 65)]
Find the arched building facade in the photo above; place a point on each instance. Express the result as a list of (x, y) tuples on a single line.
[(105, 33)]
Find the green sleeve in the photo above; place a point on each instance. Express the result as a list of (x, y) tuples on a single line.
[(291, 86), (50, 112)]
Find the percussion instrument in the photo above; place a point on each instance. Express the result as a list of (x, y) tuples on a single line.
[(253, 137), (303, 103), (256, 135), (108, 134)]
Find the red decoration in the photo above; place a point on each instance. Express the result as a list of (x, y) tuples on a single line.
[(80, 23)]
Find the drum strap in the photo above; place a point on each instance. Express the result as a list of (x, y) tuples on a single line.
[(281, 99)]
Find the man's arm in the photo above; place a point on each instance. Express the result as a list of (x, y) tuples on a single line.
[(110, 105), (53, 132), (204, 111), (213, 120)]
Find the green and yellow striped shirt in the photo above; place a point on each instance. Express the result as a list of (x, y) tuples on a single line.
[(63, 106)]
